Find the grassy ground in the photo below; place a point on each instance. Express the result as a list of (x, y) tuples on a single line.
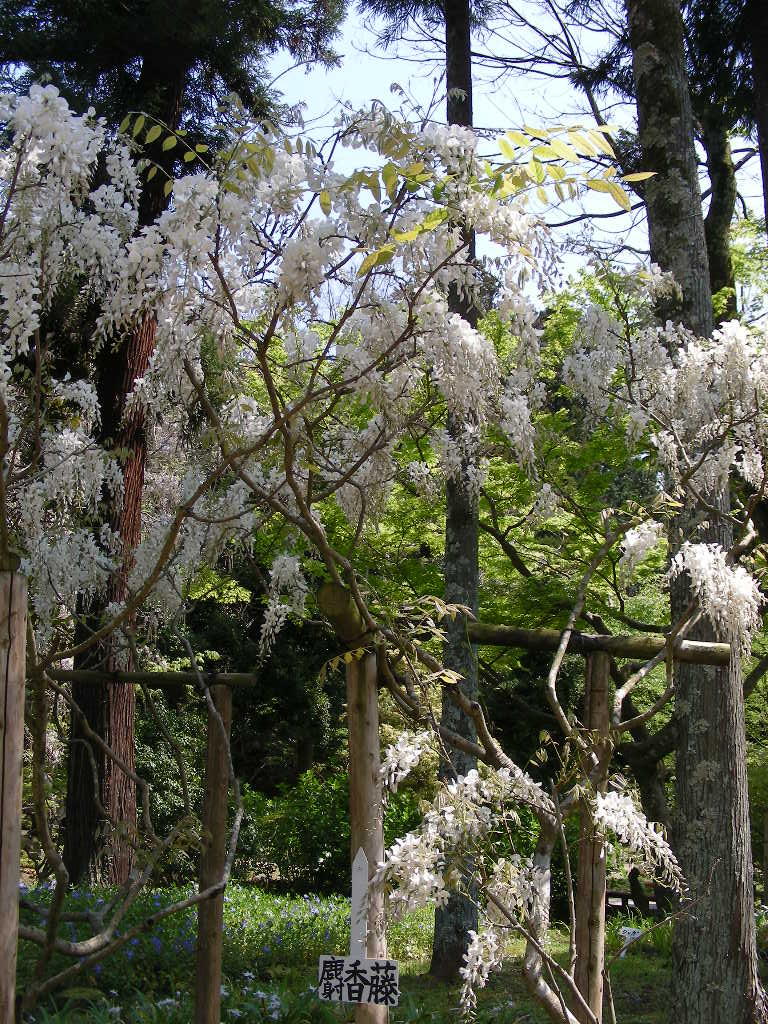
[(270, 961)]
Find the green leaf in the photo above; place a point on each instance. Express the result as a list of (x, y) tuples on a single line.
[(154, 133), (201, 148), (389, 177), (152, 172), (168, 187), (638, 176), (188, 156), (169, 143), (325, 202), (139, 125), (124, 124), (376, 259)]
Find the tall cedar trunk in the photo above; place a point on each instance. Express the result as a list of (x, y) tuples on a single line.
[(758, 35), (453, 921), (722, 203), (714, 965), (110, 706)]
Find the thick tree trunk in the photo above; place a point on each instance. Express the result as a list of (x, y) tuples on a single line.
[(665, 123), (758, 33), (714, 976), (714, 956), (722, 203), (459, 915), (110, 708)]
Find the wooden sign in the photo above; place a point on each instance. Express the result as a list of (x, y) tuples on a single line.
[(355, 978)]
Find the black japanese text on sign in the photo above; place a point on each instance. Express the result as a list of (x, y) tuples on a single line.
[(346, 979)]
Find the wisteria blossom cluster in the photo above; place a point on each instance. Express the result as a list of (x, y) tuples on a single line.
[(401, 758), (728, 594), (420, 868), (636, 544), (324, 292), (616, 812)]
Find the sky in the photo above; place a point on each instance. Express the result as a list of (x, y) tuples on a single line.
[(366, 73)]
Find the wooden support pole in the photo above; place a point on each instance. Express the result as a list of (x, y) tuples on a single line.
[(365, 809), (13, 637), (591, 876), (210, 914)]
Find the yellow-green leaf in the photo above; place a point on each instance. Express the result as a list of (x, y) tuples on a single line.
[(169, 143), (201, 148), (189, 156), (638, 176), (154, 133), (598, 184), (376, 259), (389, 177), (581, 144), (519, 139), (507, 149), (545, 152), (601, 142), (152, 172), (620, 196), (139, 125), (168, 187), (325, 201), (124, 124), (563, 150)]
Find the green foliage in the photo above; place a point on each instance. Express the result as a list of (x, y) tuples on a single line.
[(300, 838)]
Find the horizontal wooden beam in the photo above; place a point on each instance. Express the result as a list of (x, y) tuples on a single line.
[(62, 675), (642, 647)]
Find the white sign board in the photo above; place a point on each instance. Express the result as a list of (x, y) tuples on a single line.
[(629, 935), (355, 978), (347, 979)]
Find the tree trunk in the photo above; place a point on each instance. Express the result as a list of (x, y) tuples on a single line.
[(758, 34), (714, 961), (110, 707), (722, 203), (665, 124), (459, 915)]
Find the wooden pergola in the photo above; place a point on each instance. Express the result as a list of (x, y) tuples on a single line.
[(364, 758)]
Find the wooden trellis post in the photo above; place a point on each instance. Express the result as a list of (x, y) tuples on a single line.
[(591, 876), (13, 635), (210, 914), (365, 807)]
